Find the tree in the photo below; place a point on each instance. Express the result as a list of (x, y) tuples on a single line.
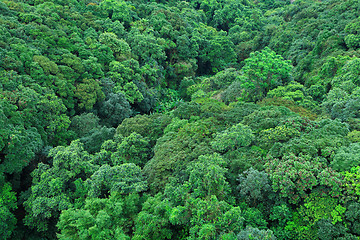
[(7, 205), (255, 234), (263, 71), (109, 218), (153, 220), (253, 185), (293, 177), (134, 149), (57, 187), (114, 109), (151, 126), (124, 179), (88, 93), (119, 47), (346, 157), (238, 135)]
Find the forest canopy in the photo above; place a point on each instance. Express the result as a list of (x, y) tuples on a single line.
[(216, 119)]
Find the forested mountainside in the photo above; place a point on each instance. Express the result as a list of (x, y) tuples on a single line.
[(196, 119)]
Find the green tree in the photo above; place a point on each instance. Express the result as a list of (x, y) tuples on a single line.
[(346, 157), (293, 177), (124, 179), (114, 109), (264, 71), (253, 185), (7, 205), (88, 93), (57, 187), (109, 218), (238, 135), (134, 149), (119, 47)]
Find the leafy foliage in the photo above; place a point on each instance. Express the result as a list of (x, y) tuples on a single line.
[(215, 119)]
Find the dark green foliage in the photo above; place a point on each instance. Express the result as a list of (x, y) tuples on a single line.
[(234, 119), (84, 123), (253, 185), (114, 109), (186, 110), (266, 117), (134, 149), (95, 137)]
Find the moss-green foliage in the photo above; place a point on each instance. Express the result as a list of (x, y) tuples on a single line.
[(217, 119)]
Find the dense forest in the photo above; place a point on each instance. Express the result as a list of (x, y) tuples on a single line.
[(194, 119)]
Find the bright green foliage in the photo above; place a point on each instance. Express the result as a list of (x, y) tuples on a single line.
[(118, 10), (119, 47), (316, 208), (110, 218), (153, 221), (323, 140), (353, 38), (134, 149), (278, 134), (7, 204), (132, 93), (88, 93), (346, 157), (266, 117), (123, 179), (50, 192), (76, 70), (124, 72), (207, 177), (352, 181), (254, 217), (282, 214), (147, 47), (237, 136), (311, 215), (48, 66), (294, 91), (263, 71), (202, 201), (175, 150), (354, 136)]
